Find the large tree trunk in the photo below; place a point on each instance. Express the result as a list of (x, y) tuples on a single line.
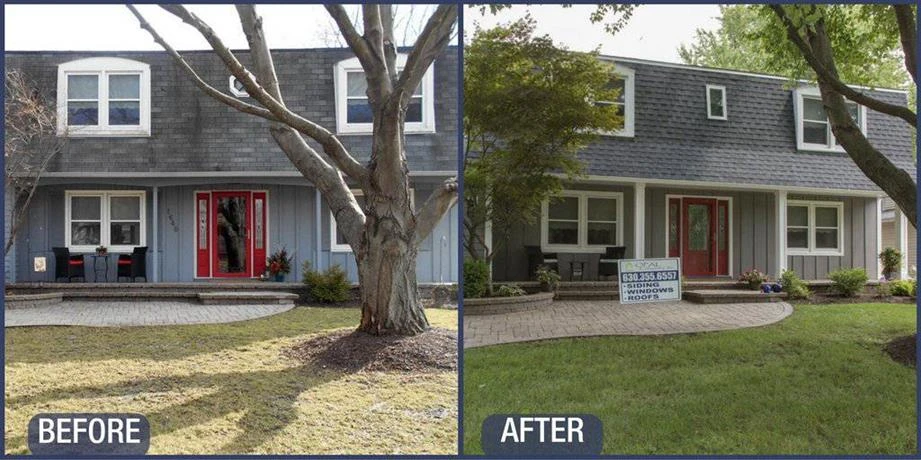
[(387, 275)]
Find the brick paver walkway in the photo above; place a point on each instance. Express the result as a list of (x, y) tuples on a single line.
[(146, 313), (589, 318)]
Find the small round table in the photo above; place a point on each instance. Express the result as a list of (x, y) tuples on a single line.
[(104, 269)]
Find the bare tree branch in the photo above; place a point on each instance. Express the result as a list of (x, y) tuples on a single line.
[(905, 17), (433, 39), (351, 36), (823, 74), (434, 208)]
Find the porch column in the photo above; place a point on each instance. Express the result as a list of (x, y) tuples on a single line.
[(155, 257), (901, 241), (639, 220), (780, 210)]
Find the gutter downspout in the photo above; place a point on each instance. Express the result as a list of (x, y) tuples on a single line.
[(318, 228)]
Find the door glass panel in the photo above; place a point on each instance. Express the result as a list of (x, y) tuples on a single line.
[(698, 227), (231, 234), (202, 224), (722, 237), (257, 212)]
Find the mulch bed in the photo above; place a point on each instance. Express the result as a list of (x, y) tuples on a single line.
[(903, 350), (432, 351), (859, 298)]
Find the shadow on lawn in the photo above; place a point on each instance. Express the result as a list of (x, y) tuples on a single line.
[(52, 344), (267, 400)]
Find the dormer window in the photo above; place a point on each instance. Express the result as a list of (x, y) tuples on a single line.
[(237, 88), (716, 102), (622, 81), (813, 129), (104, 97), (353, 113)]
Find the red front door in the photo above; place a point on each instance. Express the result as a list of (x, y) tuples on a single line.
[(699, 228), (235, 243)]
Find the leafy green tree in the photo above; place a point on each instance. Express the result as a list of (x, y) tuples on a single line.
[(870, 45), (529, 107)]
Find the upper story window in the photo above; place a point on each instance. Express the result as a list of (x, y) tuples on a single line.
[(353, 113), (582, 221), (813, 130), (104, 97), (716, 102), (237, 88), (622, 81)]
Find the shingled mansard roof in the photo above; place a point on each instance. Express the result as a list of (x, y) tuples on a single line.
[(675, 140), (191, 132)]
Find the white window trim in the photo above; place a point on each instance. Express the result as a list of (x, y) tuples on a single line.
[(105, 219), (582, 245), (333, 229), (103, 67), (342, 68), (722, 90), (233, 88), (628, 75), (811, 250), (813, 92)]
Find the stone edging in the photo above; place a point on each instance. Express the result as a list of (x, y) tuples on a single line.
[(16, 301), (497, 305)]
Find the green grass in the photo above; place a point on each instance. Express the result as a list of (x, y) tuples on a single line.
[(816, 383), (226, 388)]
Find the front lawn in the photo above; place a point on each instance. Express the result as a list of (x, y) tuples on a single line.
[(818, 382), (227, 388)]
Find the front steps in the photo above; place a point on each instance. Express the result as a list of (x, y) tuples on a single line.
[(709, 296)]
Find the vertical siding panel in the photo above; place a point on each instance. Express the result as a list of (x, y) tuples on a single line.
[(869, 235), (759, 234), (771, 265), (737, 219)]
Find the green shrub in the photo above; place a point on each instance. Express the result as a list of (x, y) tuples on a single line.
[(795, 288), (476, 278), (891, 259), (848, 282), (510, 290), (547, 277), (330, 286), (903, 287)]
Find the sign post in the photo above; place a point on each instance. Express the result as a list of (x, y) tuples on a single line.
[(649, 280)]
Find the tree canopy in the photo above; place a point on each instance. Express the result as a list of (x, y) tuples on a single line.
[(529, 107)]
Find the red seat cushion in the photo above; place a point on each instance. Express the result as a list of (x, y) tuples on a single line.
[(76, 262), (124, 261)]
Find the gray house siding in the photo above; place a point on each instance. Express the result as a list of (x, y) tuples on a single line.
[(292, 224), (860, 241)]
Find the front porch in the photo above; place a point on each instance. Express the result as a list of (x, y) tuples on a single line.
[(718, 230)]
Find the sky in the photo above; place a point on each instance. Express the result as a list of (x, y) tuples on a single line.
[(654, 32)]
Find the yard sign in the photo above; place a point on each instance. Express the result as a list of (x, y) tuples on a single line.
[(649, 280)]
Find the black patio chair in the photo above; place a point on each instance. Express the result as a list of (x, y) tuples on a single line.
[(67, 265), (536, 258), (607, 266), (134, 265)]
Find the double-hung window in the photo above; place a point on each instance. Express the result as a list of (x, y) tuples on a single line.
[(104, 97), (353, 112), (813, 129), (578, 221), (815, 228), (114, 219), (622, 81)]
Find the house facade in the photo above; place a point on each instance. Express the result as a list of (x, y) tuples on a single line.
[(729, 171), (151, 161)]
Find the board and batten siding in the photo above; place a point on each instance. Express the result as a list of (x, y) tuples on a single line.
[(752, 221), (436, 261), (860, 251)]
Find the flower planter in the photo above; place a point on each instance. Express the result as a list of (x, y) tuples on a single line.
[(279, 277)]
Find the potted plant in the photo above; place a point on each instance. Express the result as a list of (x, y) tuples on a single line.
[(279, 264), (548, 278), (891, 259), (102, 250), (754, 278)]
